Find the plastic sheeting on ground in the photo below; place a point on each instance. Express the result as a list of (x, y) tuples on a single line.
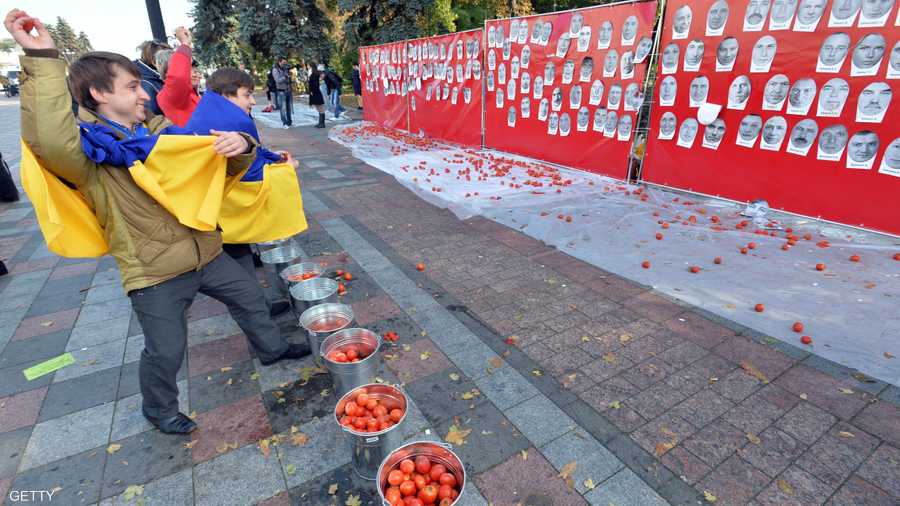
[(850, 309), (303, 115)]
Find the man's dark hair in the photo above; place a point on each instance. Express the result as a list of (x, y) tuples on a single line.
[(98, 70), (228, 81)]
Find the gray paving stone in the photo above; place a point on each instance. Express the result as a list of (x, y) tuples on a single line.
[(15, 214), (270, 376), (540, 420), (103, 311), (87, 335), (134, 345), (80, 393), (211, 329), (174, 489), (34, 348), (77, 477), (68, 435), (331, 174), (240, 477), (474, 360), (471, 496), (315, 164), (110, 276), (96, 358), (624, 489), (25, 284), (327, 449), (104, 292), (415, 422), (312, 204), (128, 420), (594, 461), (11, 446), (41, 252), (505, 387)]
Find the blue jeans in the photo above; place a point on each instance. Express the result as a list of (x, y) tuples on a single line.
[(336, 103), (285, 104)]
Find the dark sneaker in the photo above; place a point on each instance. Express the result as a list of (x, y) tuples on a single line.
[(293, 352), (178, 424)]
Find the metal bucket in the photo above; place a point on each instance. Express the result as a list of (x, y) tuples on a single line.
[(349, 375), (322, 320), (266, 246), (369, 449), (276, 260), (437, 452), (293, 274), (312, 292)]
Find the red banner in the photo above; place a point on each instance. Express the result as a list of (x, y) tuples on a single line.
[(806, 122), (566, 87), (385, 88), (445, 87)]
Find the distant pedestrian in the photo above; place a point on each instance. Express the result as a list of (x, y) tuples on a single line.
[(271, 90), (357, 85), (334, 83), (316, 98), (151, 81), (284, 91)]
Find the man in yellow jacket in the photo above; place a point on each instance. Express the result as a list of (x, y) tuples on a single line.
[(163, 262)]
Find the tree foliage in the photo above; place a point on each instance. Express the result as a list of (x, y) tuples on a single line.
[(215, 32), (70, 45)]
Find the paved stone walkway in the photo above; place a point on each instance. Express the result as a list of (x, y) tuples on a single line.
[(548, 361)]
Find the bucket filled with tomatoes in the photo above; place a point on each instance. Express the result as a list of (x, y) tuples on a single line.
[(278, 259), (313, 291), (421, 473), (371, 417), (322, 320), (351, 357), (301, 272)]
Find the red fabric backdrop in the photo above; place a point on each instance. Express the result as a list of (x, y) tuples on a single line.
[(589, 150), (799, 183), (383, 74), (433, 114)]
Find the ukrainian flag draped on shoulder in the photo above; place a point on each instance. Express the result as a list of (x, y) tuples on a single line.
[(266, 204), (181, 171), (67, 222)]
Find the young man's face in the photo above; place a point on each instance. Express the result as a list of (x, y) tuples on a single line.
[(868, 51), (699, 88), (717, 15), (874, 98), (694, 52), (834, 94), (739, 91), (126, 102), (862, 146), (774, 130), (777, 89), (804, 133), (682, 19), (834, 49), (875, 9), (243, 99), (667, 123), (727, 51), (715, 131), (802, 93), (892, 154), (750, 127), (843, 9), (810, 11), (833, 139)]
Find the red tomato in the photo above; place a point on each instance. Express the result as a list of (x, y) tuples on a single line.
[(396, 415), (395, 478), (372, 425), (339, 356), (420, 267), (445, 502), (437, 470), (806, 340), (350, 409), (645, 264), (428, 495), (379, 411), (854, 258), (659, 236), (445, 492), (362, 398), (393, 495), (372, 404), (423, 465), (751, 245), (346, 421), (743, 251), (407, 466), (694, 269), (360, 423), (414, 501), (352, 354), (717, 260), (798, 327), (408, 487), (759, 308), (419, 480), (448, 479), (348, 276)]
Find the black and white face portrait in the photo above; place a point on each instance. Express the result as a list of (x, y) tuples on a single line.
[(693, 55), (587, 69), (568, 71), (773, 132), (605, 35), (549, 73), (553, 123), (801, 96), (681, 23), (562, 45), (867, 55), (489, 81), (536, 32), (511, 89), (763, 54), (633, 97), (459, 50), (584, 39), (726, 54), (748, 130), (667, 126), (809, 12), (614, 98), (599, 120), (575, 97), (716, 18), (626, 65), (565, 124), (584, 118), (643, 49), (525, 107), (833, 52), (873, 103), (803, 135), (624, 128), (526, 57), (500, 36), (832, 98), (576, 23), (781, 14), (832, 142), (454, 96), (538, 87), (610, 62), (523, 32), (755, 15), (498, 99), (514, 30), (713, 134), (492, 36), (890, 162), (843, 12), (739, 93), (667, 91), (687, 132), (492, 60), (699, 90), (612, 121), (776, 92), (861, 150), (514, 68), (543, 109), (525, 83), (511, 116), (670, 58), (893, 70), (546, 31), (507, 49), (467, 95), (476, 69), (501, 74), (557, 98), (629, 30), (596, 92), (874, 12)]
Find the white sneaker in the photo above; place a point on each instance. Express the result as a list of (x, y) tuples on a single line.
[(285, 127)]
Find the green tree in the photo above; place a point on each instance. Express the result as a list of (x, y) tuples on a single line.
[(215, 31), (70, 46), (7, 45), (84, 44)]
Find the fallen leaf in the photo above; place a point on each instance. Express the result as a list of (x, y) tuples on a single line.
[(524, 454), (290, 469), (254, 376), (496, 362), (230, 381), (299, 439), (264, 447), (325, 392), (610, 358), (457, 436), (753, 438), (225, 369), (486, 432), (353, 500), (846, 435), (566, 473), (192, 415), (709, 496), (662, 447), (470, 394), (425, 355), (589, 484), (784, 486), (888, 355), (332, 489), (537, 372), (407, 347), (615, 404), (113, 448), (281, 400), (133, 491), (713, 379), (454, 376), (189, 445), (624, 338), (863, 378), (47, 324), (753, 371), (845, 391), (803, 396), (585, 339)]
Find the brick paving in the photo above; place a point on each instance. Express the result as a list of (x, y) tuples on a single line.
[(654, 401)]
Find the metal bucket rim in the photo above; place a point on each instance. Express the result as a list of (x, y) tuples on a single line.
[(378, 343), (371, 434), (302, 267), (293, 248), (330, 285), (325, 308), (446, 446)]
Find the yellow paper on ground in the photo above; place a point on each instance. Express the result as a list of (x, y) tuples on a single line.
[(67, 222), (48, 366), (267, 210)]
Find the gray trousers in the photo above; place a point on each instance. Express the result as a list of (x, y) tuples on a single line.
[(161, 310)]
